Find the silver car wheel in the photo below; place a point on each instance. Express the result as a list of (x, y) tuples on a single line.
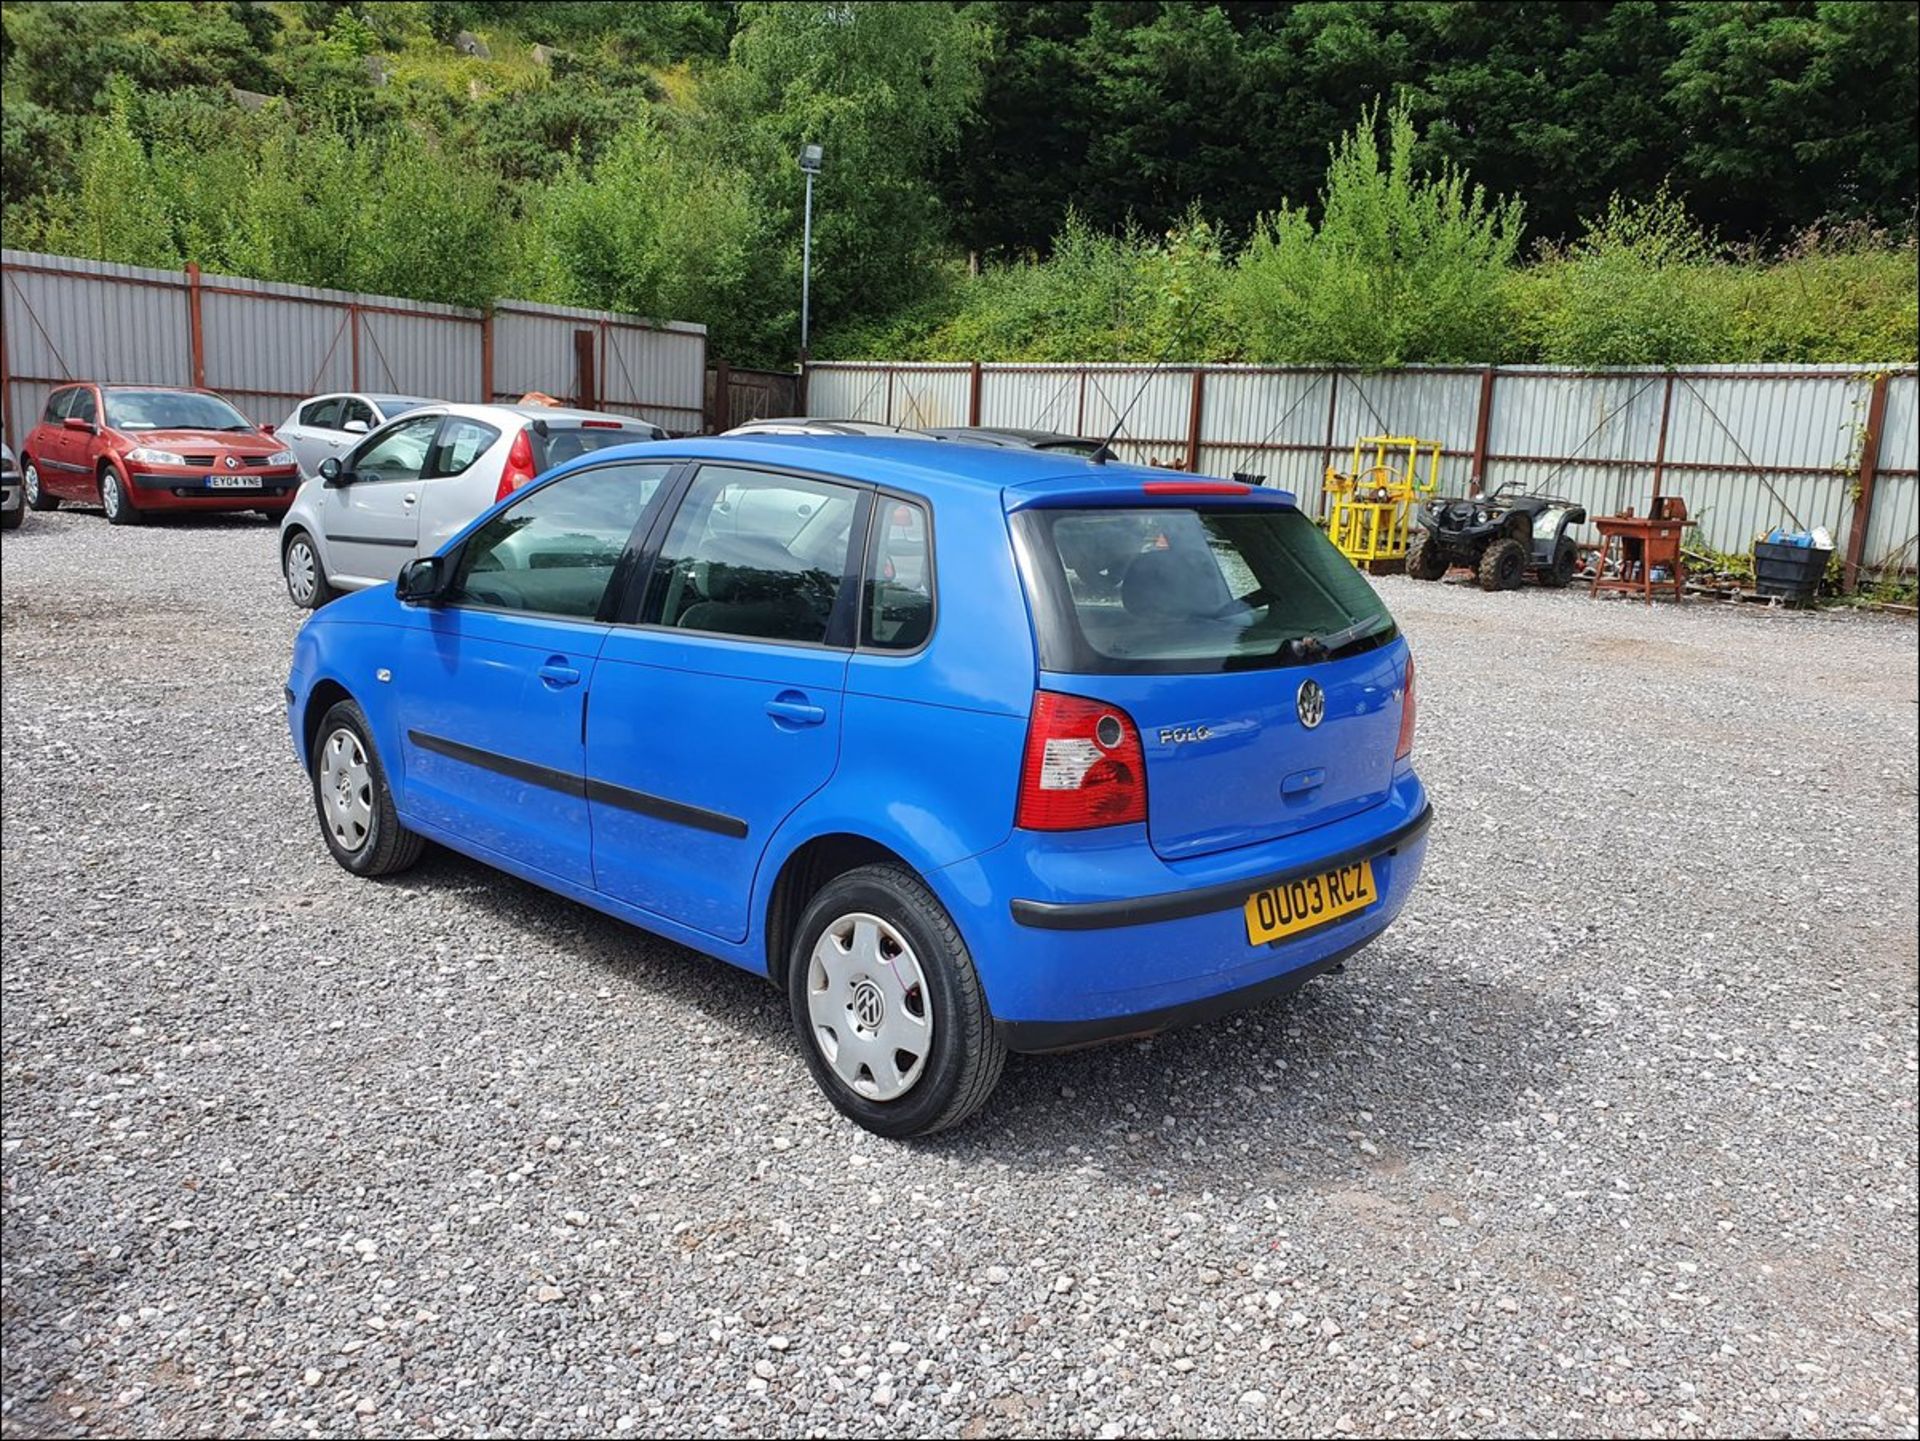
[(870, 1006), (301, 571), (30, 483), (110, 498), (346, 789)]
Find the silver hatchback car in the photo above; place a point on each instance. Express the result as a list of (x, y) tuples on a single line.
[(405, 488)]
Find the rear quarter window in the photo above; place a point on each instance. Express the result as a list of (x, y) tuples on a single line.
[(1169, 589)]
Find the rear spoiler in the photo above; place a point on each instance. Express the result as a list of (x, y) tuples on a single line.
[(1145, 488)]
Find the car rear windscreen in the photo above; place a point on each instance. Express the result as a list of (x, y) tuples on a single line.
[(1184, 590), (571, 442)]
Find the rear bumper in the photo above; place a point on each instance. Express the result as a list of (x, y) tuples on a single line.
[(273, 491), (1101, 939)]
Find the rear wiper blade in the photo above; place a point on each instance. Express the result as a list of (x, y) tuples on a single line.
[(1325, 647)]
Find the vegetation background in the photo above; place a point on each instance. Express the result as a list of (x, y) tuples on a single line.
[(1651, 181)]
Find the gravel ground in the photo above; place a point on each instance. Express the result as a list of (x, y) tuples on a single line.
[(1615, 1131)]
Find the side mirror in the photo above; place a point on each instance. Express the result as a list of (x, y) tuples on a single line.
[(74, 422), (422, 581), (355, 427), (266, 430), (331, 472)]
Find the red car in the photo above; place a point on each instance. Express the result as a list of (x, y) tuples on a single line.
[(140, 449)]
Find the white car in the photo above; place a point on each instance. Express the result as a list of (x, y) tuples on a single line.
[(407, 487), (328, 424)]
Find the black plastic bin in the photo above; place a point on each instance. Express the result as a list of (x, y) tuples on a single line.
[(1791, 572)]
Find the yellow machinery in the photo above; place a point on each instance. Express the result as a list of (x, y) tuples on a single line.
[(1371, 505)]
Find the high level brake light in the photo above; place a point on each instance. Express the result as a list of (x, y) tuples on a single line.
[(1084, 766)]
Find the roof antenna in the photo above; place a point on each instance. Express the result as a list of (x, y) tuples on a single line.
[(1106, 452)]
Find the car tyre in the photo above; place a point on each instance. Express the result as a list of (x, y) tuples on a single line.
[(307, 584), (115, 499), (37, 498), (10, 519), (877, 960), (1559, 575), (1425, 560), (350, 795), (1503, 564)]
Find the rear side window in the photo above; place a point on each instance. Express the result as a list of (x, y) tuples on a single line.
[(1191, 590), (57, 404), (322, 414), (896, 605), (755, 554), (461, 442)]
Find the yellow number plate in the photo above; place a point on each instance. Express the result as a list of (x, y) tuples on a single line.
[(1301, 905)]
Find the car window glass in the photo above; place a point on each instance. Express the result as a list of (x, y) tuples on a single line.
[(752, 553), (57, 404), (82, 405), (397, 453), (460, 443), (897, 602), (355, 409), (322, 414), (553, 552)]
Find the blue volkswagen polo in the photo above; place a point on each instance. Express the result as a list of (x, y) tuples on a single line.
[(971, 750)]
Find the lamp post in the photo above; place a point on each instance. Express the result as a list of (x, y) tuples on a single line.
[(810, 163)]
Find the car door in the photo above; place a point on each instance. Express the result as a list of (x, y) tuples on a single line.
[(315, 433), (370, 516), (494, 684), (50, 448), (78, 480), (718, 712)]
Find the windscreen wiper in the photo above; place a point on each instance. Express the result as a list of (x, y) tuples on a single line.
[(1326, 647)]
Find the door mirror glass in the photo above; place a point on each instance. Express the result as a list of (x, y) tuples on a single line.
[(330, 471), (355, 427), (421, 581)]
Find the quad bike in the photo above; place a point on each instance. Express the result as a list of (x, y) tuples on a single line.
[(1501, 538)]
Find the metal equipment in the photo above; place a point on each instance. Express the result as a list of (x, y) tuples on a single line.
[(1371, 503)]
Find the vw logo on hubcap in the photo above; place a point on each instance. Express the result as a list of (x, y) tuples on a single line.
[(1311, 703), (869, 1006)]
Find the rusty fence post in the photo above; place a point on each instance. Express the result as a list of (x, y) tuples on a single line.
[(1196, 406), (1660, 445), (196, 327), (1327, 450), (973, 392), (1477, 482), (1869, 470), (486, 358)]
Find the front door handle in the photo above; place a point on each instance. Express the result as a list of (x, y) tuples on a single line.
[(792, 708), (556, 673), (407, 499)]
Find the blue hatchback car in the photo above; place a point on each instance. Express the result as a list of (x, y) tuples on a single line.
[(971, 750)]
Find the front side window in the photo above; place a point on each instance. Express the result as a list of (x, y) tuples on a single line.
[(397, 453), (322, 414), (81, 407), (554, 552), (461, 442), (1202, 589), (896, 606), (756, 554), (136, 410)]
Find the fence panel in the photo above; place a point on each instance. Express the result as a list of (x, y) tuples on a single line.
[(1893, 527), (657, 372)]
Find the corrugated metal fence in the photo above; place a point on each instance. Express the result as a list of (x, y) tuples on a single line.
[(266, 345), (1749, 447)]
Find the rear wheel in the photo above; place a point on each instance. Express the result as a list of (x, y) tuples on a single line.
[(37, 498), (888, 1006), (307, 585), (114, 499), (1503, 565), (10, 519), (1425, 559), (350, 793), (1559, 575)]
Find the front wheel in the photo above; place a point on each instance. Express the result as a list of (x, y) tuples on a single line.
[(1503, 564), (114, 499), (357, 815), (1559, 575), (10, 519), (37, 497), (1425, 559), (307, 585), (888, 1006)]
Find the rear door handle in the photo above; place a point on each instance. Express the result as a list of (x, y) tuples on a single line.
[(794, 709), (407, 499), (556, 673)]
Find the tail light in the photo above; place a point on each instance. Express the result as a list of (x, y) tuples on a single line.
[(519, 466), (1407, 709), (1084, 766)]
